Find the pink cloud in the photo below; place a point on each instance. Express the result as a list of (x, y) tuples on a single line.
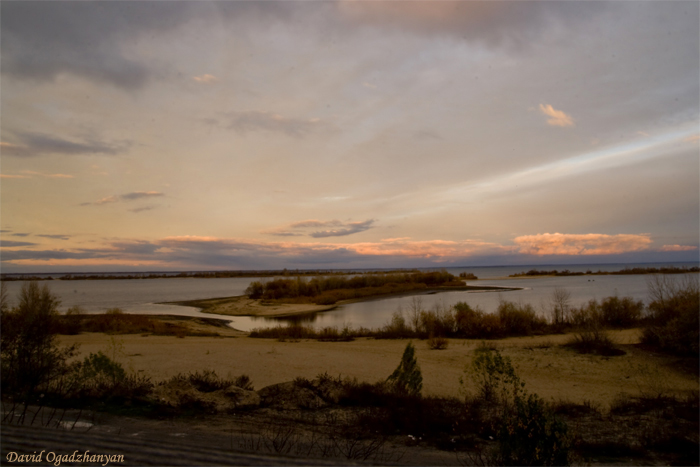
[(581, 244), (556, 117), (678, 248)]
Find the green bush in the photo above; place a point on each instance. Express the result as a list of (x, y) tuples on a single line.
[(407, 377), (31, 358), (494, 376), (98, 369), (530, 434)]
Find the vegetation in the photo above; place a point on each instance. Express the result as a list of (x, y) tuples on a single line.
[(528, 431), (407, 377), (115, 321), (566, 272), (502, 424), (329, 290), (673, 322), (207, 274), (32, 361)]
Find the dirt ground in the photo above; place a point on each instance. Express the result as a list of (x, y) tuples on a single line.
[(554, 372)]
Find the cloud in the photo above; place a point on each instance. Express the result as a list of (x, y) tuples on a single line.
[(44, 40), (13, 244), (45, 175), (678, 248), (144, 208), (511, 24), (332, 228), (38, 144), (557, 117), (348, 229), (20, 234), (134, 195), (581, 244), (13, 176), (692, 139), (206, 79), (54, 236), (254, 120)]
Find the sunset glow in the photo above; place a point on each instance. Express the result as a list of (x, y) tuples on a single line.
[(347, 134)]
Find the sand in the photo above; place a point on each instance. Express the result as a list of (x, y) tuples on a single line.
[(244, 306), (552, 371)]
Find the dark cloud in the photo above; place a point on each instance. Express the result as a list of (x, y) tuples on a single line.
[(254, 120), (37, 144), (333, 228), (54, 236), (12, 244), (20, 234), (513, 24), (141, 209), (349, 229), (41, 40), (134, 195)]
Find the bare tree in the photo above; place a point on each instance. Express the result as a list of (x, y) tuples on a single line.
[(414, 312), (561, 304)]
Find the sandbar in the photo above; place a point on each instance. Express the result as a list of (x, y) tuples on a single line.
[(241, 305)]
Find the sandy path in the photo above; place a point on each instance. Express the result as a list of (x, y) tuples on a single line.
[(549, 370)]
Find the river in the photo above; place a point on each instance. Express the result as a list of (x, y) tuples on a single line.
[(143, 295)]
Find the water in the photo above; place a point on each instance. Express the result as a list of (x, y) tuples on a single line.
[(142, 295)]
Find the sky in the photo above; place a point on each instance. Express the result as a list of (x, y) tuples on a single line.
[(347, 134)]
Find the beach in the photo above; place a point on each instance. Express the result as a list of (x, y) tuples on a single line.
[(552, 371)]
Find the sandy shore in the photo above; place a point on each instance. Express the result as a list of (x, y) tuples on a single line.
[(552, 371), (244, 306)]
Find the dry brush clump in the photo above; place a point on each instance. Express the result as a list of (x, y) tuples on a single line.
[(331, 289), (673, 325)]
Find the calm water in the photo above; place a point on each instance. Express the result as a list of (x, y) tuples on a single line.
[(142, 296)]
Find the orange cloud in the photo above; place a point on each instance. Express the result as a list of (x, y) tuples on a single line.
[(678, 248), (206, 79), (557, 117), (426, 249), (584, 244)]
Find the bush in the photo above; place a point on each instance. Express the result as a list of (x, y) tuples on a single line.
[(255, 290), (98, 369), (407, 377), (674, 325), (438, 343), (31, 358), (621, 313), (531, 434), (493, 375), (518, 319)]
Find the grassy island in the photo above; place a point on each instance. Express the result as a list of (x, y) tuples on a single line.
[(285, 297)]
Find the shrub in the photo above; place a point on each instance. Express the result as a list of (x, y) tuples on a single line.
[(31, 358), (98, 369), (493, 375), (438, 343), (531, 434), (621, 313), (518, 319), (407, 377), (674, 325), (255, 290)]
